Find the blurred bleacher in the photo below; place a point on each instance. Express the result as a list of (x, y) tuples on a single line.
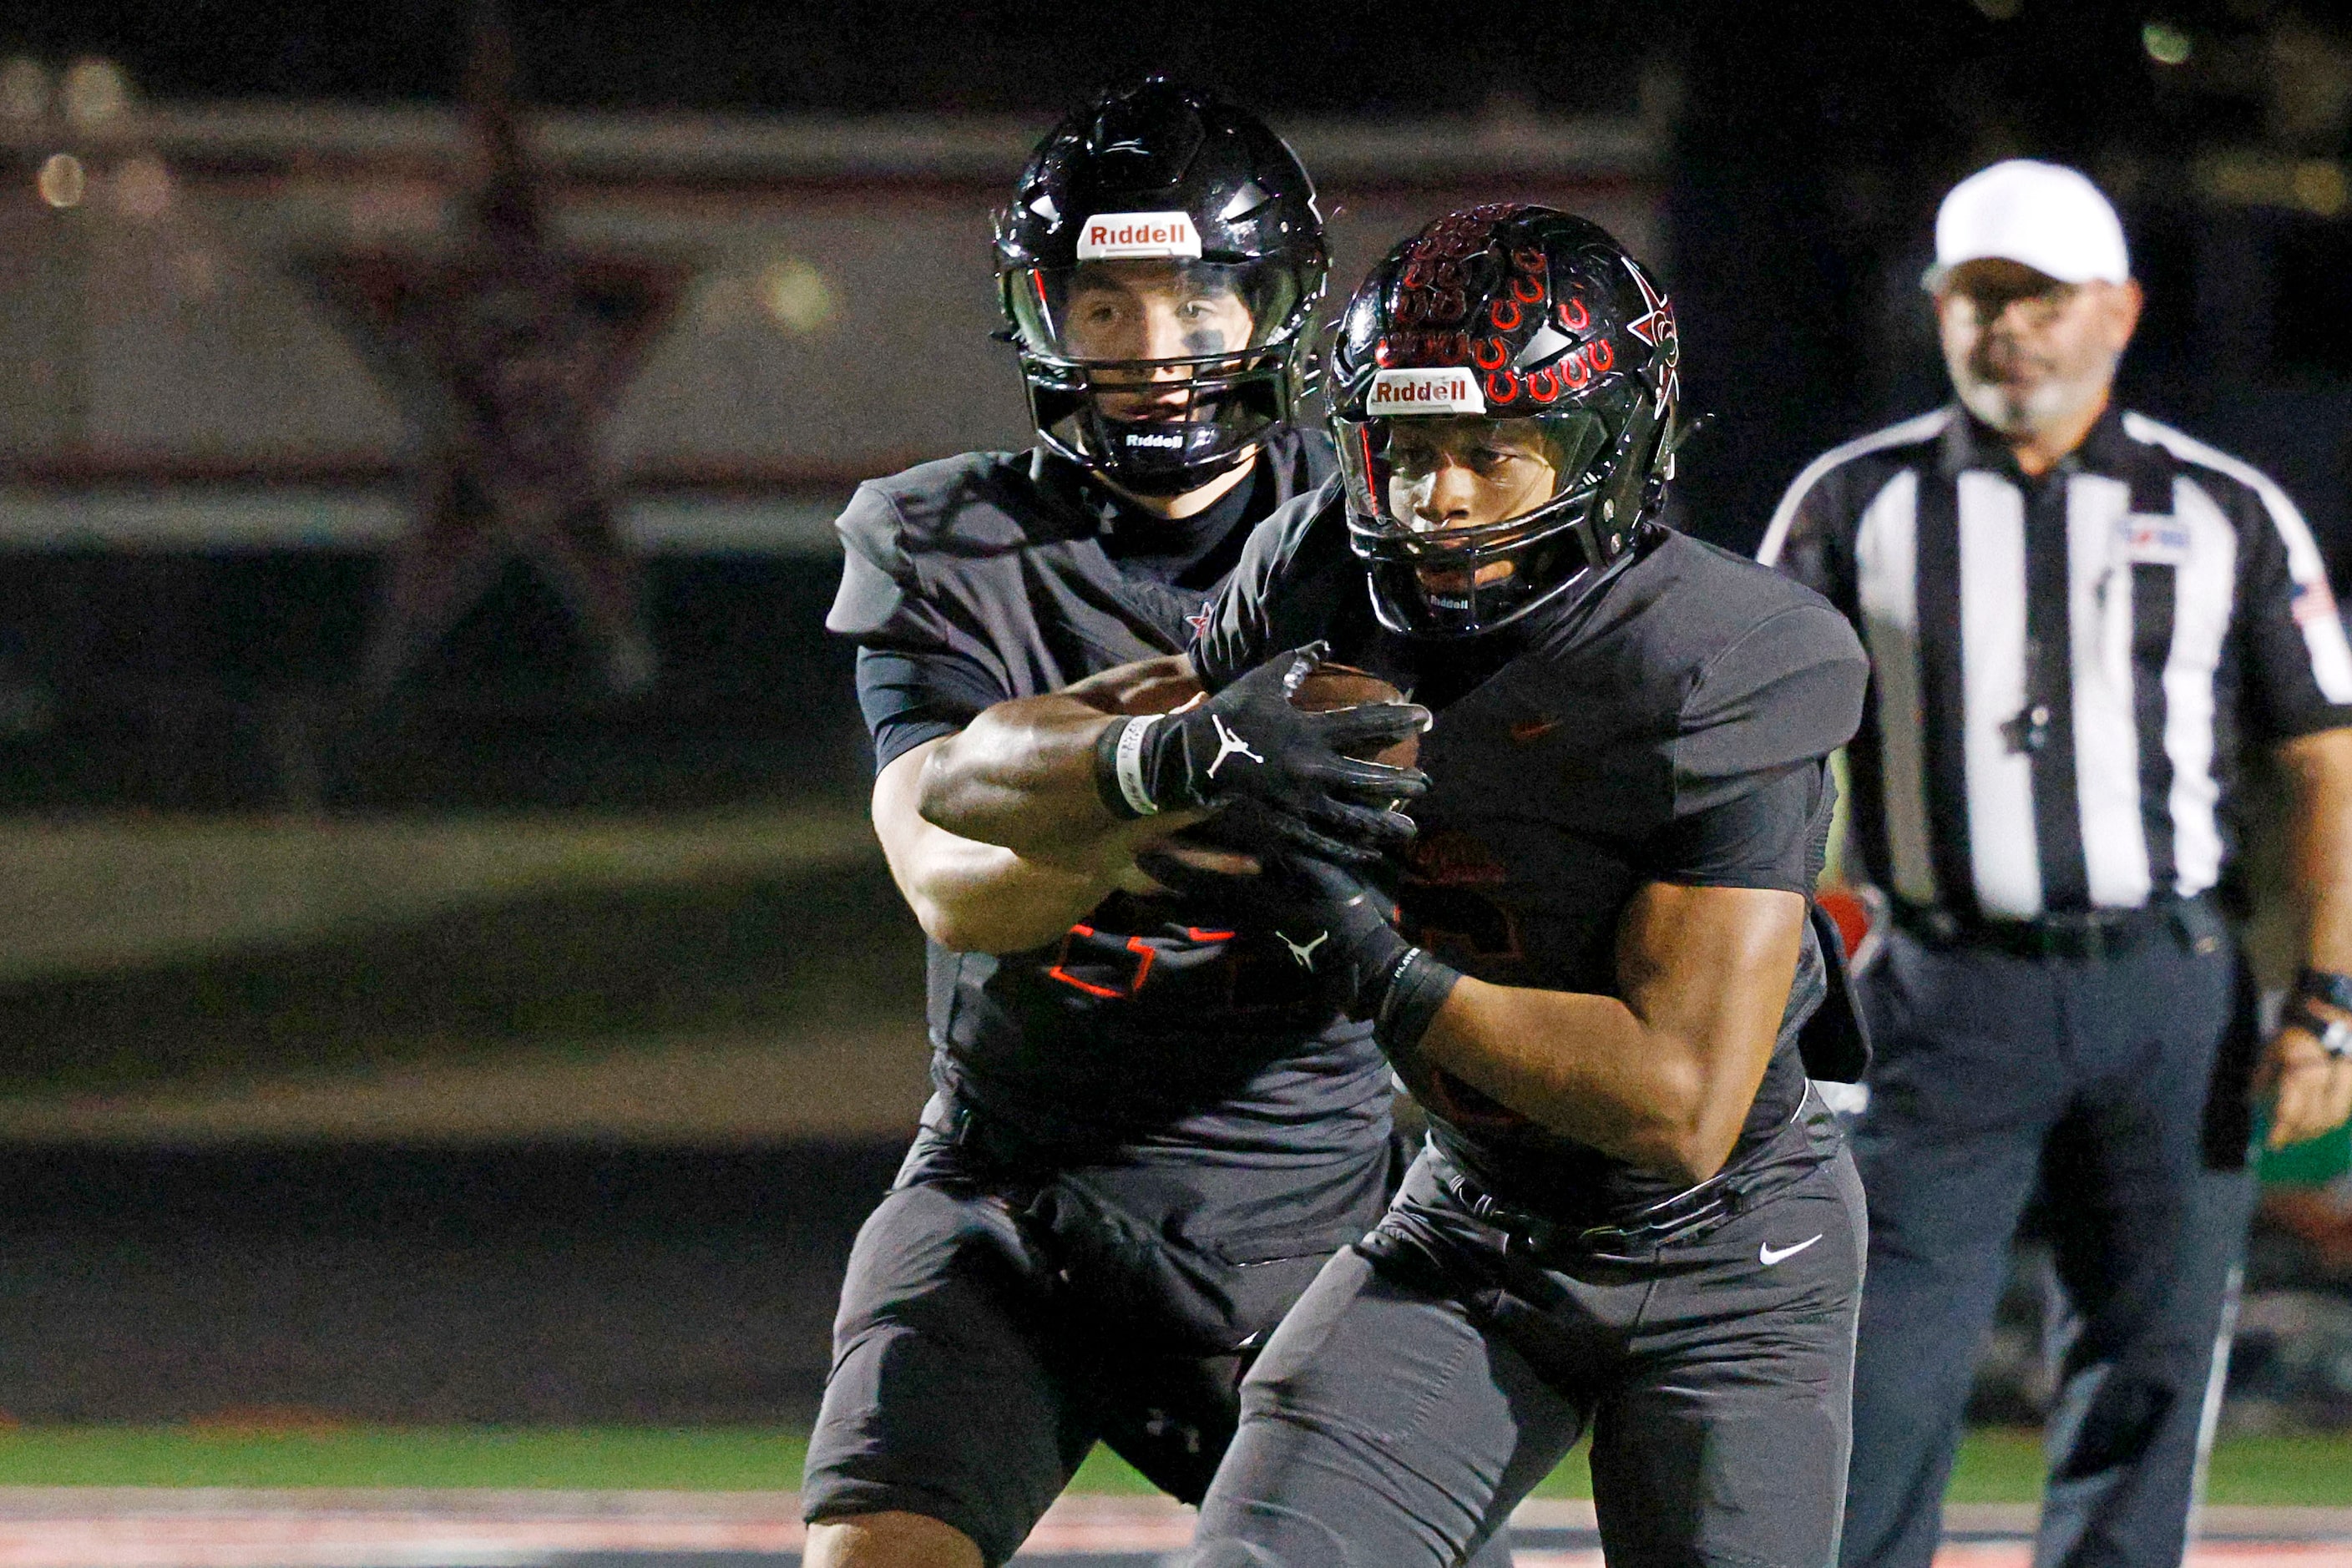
[(206, 458)]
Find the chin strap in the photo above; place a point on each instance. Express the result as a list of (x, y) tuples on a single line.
[(1678, 435)]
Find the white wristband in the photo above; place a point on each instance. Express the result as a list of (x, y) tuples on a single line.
[(1128, 762)]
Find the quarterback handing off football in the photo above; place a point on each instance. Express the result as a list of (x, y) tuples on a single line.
[(1324, 689), (1295, 726)]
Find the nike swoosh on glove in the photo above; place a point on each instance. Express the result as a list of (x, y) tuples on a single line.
[(1249, 742)]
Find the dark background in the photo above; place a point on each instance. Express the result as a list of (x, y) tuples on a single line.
[(1812, 143), (1806, 150)]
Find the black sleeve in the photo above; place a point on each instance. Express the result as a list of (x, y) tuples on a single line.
[(2295, 659), (1751, 776), (1294, 574), (887, 599), (1809, 537), (910, 697), (924, 667)]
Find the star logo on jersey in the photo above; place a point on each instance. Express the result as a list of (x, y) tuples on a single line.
[(1304, 951), (1202, 622)]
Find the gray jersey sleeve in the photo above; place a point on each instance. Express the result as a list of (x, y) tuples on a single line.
[(1787, 690), (876, 577), (1751, 785), (926, 665), (887, 599)]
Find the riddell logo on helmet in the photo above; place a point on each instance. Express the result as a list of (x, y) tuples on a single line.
[(1139, 236), (1452, 391), (1144, 438)]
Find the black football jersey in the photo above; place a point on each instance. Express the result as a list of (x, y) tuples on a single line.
[(997, 575), (1672, 726)]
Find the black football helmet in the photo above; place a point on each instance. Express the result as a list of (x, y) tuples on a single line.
[(1504, 313), (1164, 187)]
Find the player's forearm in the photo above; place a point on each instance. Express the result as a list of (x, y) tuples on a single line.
[(2319, 768), (976, 897), (1665, 1078), (984, 898), (1023, 775), (1587, 1067)]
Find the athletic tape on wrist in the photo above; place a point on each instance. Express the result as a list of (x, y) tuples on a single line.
[(1128, 765), (1417, 989), (1108, 782)]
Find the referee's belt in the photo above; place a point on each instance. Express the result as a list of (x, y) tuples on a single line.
[(2092, 934)]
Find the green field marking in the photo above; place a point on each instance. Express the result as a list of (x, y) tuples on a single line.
[(2005, 1466), (593, 1458), (1993, 1466), (2308, 1472)]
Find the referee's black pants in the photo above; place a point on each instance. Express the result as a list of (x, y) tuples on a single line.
[(2116, 1088)]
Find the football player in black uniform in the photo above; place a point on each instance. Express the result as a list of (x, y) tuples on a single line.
[(1151, 1128), (1632, 1216)]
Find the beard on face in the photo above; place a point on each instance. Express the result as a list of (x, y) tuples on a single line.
[(2026, 396)]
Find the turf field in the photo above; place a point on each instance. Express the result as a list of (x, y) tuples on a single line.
[(1994, 1466)]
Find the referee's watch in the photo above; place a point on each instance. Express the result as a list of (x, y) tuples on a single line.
[(2320, 985), (2334, 1035)]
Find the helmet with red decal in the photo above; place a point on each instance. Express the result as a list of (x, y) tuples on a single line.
[(1157, 266), (1503, 392)]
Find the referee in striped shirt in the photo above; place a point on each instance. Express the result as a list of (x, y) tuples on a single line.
[(2078, 620)]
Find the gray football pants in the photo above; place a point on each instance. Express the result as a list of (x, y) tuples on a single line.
[(2116, 1088), (992, 1328), (1407, 1404)]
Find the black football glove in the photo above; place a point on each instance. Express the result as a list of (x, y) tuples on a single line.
[(1249, 743), (1336, 924)]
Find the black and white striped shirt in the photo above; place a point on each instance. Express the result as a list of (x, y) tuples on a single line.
[(2064, 669)]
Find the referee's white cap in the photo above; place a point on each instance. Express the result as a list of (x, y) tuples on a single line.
[(2046, 215)]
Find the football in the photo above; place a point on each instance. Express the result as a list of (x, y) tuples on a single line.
[(1138, 689), (1331, 686), (1326, 687)]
